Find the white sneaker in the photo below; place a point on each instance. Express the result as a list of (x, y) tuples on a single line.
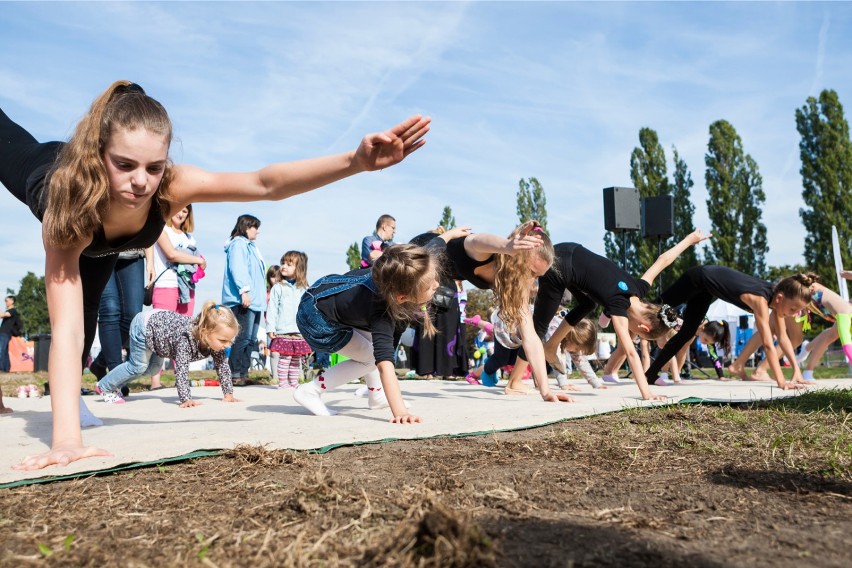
[(610, 379)]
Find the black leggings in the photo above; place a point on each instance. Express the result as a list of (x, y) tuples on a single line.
[(502, 356), (20, 156), (697, 299)]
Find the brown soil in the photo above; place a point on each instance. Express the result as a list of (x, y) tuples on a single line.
[(682, 486)]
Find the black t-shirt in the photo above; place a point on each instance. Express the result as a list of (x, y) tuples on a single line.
[(728, 284), (593, 280), (359, 307), (12, 324)]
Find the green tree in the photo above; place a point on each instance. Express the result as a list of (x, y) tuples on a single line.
[(31, 302), (353, 256), (826, 154), (684, 211), (448, 220), (734, 203), (648, 174), (532, 203)]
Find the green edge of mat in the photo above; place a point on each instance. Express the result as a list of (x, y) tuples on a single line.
[(328, 448)]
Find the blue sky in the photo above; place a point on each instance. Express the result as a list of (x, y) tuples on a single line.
[(555, 90)]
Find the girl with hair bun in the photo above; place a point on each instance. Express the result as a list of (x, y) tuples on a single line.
[(156, 334), (362, 314), (700, 286), (825, 303), (597, 281), (109, 189)]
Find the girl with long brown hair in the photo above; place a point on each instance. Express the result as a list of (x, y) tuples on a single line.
[(109, 189)]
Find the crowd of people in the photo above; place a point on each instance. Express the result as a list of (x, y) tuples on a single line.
[(110, 197)]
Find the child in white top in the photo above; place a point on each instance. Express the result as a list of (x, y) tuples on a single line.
[(281, 325)]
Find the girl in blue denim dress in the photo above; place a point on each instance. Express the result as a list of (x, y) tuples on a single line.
[(361, 315)]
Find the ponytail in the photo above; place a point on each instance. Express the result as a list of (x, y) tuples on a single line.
[(720, 331), (797, 287), (78, 194)]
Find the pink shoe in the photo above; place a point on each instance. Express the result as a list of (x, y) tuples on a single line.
[(33, 392), (471, 379)]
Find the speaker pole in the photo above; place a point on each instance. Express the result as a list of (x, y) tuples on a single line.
[(624, 250)]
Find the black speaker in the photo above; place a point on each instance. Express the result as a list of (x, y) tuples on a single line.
[(621, 209), (658, 217), (743, 322)]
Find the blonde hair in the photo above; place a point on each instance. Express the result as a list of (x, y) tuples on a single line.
[(188, 225), (512, 276), (797, 287), (583, 336), (401, 271), (300, 261), (78, 194), (212, 316)]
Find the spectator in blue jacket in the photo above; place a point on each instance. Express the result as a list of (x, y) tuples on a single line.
[(244, 291)]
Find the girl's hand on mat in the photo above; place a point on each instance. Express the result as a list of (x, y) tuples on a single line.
[(406, 419), (189, 403), (656, 397), (230, 398), (557, 397), (61, 456)]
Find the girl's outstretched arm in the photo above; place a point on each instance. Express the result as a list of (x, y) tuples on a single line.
[(671, 255), (623, 334), (480, 246), (286, 179), (391, 385), (65, 305)]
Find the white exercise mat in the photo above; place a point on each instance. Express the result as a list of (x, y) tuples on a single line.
[(151, 427)]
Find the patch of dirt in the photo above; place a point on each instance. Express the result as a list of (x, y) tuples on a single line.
[(683, 486)]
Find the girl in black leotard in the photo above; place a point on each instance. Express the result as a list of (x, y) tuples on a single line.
[(700, 286), (108, 190), (508, 266), (594, 280)]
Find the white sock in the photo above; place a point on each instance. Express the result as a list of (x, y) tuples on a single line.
[(87, 419), (376, 399), (362, 391), (808, 375), (308, 395)]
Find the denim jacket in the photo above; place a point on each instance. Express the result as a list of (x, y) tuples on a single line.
[(244, 272), (284, 301)]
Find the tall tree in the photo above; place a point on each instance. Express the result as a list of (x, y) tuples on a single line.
[(31, 302), (826, 153), (648, 174), (353, 256), (735, 198), (532, 203), (684, 211), (448, 220)]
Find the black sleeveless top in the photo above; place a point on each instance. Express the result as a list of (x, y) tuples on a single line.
[(37, 181), (463, 266)]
